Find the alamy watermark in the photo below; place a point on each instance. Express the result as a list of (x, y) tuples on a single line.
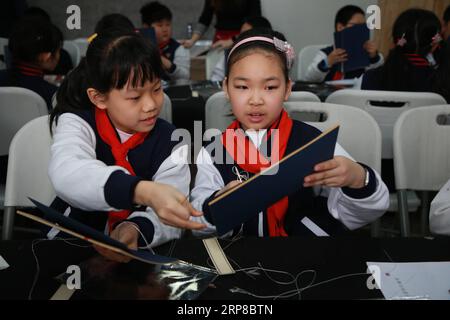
[(73, 21), (230, 147), (374, 281), (373, 17), (73, 281)]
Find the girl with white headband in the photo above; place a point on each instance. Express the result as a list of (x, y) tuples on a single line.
[(341, 194)]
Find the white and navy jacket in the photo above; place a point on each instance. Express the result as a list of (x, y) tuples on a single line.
[(88, 184), (309, 211), (319, 71), (180, 58), (440, 212)]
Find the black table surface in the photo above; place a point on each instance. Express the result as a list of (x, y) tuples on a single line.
[(329, 258)]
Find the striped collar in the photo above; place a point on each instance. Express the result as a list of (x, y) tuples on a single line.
[(420, 61), (28, 69)]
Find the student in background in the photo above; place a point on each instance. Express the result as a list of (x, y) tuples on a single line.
[(175, 58), (250, 23), (326, 66), (230, 15), (113, 163), (440, 212), (419, 60), (257, 85), (114, 23), (35, 46), (65, 62)]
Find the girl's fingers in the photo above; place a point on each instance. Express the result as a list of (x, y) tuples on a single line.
[(176, 221), (332, 182), (322, 183), (179, 216), (327, 165), (317, 177), (192, 211)]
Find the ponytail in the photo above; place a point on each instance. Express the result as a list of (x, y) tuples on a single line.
[(413, 33), (71, 95)]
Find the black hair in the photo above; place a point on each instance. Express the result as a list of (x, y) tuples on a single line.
[(111, 61), (247, 48), (447, 15), (36, 12), (155, 11), (258, 22), (32, 36), (114, 23), (418, 27), (345, 14)]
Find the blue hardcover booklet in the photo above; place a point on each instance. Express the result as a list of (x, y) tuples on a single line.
[(57, 220), (282, 179), (352, 40)]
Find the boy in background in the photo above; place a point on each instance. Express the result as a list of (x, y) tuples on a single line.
[(326, 66), (175, 58)]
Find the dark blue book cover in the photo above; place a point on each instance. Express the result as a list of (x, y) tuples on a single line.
[(87, 233), (284, 178), (352, 40)]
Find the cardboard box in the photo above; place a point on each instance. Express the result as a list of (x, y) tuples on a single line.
[(198, 68)]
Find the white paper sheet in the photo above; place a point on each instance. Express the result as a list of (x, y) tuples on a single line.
[(3, 264), (412, 281)]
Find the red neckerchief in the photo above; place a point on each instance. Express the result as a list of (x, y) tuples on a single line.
[(28, 69), (225, 34), (417, 60), (338, 76), (120, 151), (277, 211), (162, 46)]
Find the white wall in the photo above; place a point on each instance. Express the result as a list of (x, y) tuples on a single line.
[(307, 22)]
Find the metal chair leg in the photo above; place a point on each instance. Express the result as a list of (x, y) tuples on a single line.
[(424, 212), (8, 223), (404, 214)]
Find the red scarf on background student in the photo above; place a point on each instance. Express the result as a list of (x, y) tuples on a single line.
[(162, 46), (417, 60), (120, 151), (225, 34), (277, 211)]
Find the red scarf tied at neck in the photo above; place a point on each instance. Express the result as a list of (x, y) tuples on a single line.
[(240, 148), (120, 151)]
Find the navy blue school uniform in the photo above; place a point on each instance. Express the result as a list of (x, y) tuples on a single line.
[(305, 203), (150, 161), (180, 58), (29, 77), (419, 80)]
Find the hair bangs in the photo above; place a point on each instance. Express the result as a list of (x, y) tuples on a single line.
[(127, 70)]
